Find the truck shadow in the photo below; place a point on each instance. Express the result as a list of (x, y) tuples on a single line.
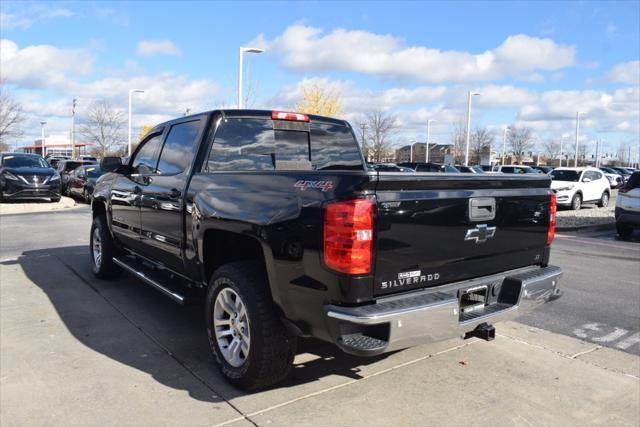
[(157, 327)]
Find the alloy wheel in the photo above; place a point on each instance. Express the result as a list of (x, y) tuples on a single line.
[(96, 244), (231, 325)]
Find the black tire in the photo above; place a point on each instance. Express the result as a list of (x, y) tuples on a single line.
[(604, 200), (55, 199), (576, 202), (624, 230), (104, 268), (272, 346), (85, 197)]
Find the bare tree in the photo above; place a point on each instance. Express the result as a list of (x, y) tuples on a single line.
[(551, 149), (104, 126), (11, 116), (459, 139), (250, 90), (520, 141), (481, 140), (381, 126)]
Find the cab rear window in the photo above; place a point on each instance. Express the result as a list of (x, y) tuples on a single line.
[(257, 144)]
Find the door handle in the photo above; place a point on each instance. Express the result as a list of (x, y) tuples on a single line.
[(174, 193)]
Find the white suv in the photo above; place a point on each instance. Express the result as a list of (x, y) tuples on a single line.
[(576, 186), (628, 206)]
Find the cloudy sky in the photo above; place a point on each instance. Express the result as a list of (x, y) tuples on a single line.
[(535, 64)]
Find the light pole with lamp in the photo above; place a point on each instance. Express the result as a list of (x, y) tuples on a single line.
[(426, 156), (44, 149), (575, 164), (240, 75), (466, 156), (411, 152), (131, 92), (504, 143)]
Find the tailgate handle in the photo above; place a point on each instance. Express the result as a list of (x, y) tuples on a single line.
[(482, 209)]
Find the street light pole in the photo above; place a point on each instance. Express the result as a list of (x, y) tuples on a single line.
[(466, 156), (575, 164), (504, 143), (561, 141), (131, 92), (411, 152), (426, 156), (240, 74), (44, 149), (363, 126), (73, 129)]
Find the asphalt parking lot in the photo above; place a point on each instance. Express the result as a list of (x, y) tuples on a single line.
[(80, 351)]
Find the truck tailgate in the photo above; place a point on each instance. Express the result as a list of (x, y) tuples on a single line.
[(438, 228)]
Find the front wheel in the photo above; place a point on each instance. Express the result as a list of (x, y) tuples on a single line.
[(102, 250), (576, 202), (252, 346), (624, 230), (604, 200)]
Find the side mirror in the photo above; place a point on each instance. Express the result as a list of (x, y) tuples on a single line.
[(111, 164), (586, 179)]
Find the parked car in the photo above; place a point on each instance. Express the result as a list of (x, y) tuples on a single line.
[(543, 169), (469, 169), (429, 167), (624, 172), (577, 186), (487, 168), (65, 167), (389, 167), (88, 158), (54, 160), (308, 241), (628, 206), (27, 176), (517, 169), (82, 181), (614, 177)]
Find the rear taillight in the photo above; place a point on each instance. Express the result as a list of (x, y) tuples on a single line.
[(282, 115), (553, 208), (348, 236)]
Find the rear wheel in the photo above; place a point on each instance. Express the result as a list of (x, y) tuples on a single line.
[(102, 250), (249, 341), (576, 202), (604, 200), (624, 230), (86, 197)]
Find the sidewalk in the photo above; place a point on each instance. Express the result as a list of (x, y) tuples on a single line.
[(77, 351), (33, 207)]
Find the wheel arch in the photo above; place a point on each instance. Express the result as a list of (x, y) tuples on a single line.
[(219, 247)]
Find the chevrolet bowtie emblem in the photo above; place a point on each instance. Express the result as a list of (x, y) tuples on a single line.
[(480, 234)]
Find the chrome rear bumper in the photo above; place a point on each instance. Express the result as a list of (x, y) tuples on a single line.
[(434, 314)]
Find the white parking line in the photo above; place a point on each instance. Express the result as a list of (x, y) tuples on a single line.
[(629, 341)]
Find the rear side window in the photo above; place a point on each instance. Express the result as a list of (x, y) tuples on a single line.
[(177, 151), (254, 144)]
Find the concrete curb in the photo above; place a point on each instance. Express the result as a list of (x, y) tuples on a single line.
[(595, 227), (24, 208)]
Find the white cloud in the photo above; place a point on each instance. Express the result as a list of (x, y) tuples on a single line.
[(626, 72), (41, 66), (23, 16), (306, 48), (157, 47)]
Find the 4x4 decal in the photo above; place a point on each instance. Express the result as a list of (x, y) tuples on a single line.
[(321, 185)]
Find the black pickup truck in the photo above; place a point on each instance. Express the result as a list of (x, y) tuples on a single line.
[(275, 217)]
